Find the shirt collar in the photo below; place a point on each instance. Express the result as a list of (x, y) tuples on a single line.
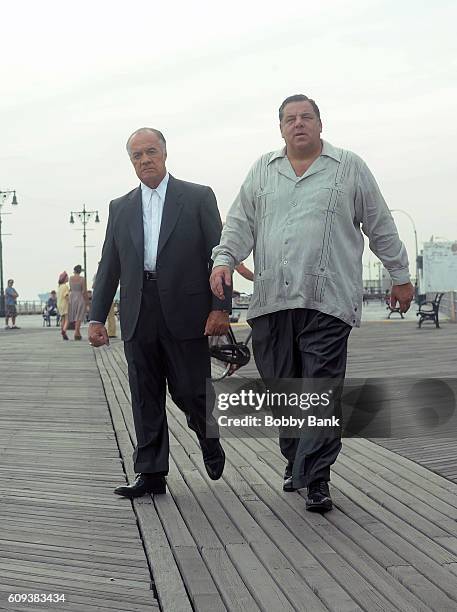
[(330, 151), (327, 149), (161, 188)]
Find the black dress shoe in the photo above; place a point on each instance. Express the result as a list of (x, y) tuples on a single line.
[(144, 483), (319, 499), (287, 486), (213, 458)]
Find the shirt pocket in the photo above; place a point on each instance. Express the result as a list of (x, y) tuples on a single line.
[(329, 199), (264, 286), (266, 199)]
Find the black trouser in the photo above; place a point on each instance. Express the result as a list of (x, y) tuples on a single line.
[(303, 343), (155, 358)]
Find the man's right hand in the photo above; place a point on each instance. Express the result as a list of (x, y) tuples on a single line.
[(219, 276), (97, 334)]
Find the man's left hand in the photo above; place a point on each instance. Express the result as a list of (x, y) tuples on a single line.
[(403, 294), (217, 323)]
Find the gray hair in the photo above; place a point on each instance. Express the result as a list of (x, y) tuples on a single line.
[(299, 98), (158, 133)]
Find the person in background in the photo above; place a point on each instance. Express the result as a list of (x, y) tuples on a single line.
[(51, 304), (111, 318), (88, 305), (63, 293), (77, 306), (50, 309), (11, 296), (111, 322), (244, 271)]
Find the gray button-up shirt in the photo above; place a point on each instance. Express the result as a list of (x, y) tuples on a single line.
[(306, 234)]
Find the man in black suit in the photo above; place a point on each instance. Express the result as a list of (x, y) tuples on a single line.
[(158, 245)]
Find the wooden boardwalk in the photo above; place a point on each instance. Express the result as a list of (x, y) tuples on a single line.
[(400, 349), (397, 348), (236, 544), (62, 529)]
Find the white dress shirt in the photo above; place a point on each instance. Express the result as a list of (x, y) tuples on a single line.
[(153, 201)]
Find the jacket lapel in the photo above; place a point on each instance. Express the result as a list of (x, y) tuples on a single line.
[(171, 210), (135, 222)]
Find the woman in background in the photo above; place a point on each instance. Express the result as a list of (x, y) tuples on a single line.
[(77, 303), (63, 293)]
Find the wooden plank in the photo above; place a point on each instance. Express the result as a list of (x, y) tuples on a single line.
[(322, 541), (240, 542), (426, 573), (408, 501), (174, 596), (92, 603), (61, 526), (204, 532), (411, 347), (78, 592), (196, 523), (406, 596), (135, 590), (168, 582), (260, 541), (412, 467), (78, 566), (418, 553), (398, 518), (173, 523)]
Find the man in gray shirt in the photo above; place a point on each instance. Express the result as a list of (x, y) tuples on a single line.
[(302, 211)]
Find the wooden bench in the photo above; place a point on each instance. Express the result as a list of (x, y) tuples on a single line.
[(429, 310), (390, 309), (394, 310)]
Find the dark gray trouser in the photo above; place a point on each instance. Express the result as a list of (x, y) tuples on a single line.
[(154, 358), (303, 343)]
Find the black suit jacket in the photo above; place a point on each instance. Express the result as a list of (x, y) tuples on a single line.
[(191, 227)]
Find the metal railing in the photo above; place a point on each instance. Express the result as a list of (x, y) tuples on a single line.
[(35, 307)]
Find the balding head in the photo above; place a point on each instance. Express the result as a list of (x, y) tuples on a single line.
[(148, 153), (143, 130)]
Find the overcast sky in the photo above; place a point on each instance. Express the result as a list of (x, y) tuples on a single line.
[(76, 81)]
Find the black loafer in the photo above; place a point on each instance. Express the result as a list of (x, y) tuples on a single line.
[(318, 499), (287, 486), (213, 458), (144, 483)]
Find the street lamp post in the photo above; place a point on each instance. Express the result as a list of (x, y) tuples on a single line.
[(379, 264), (415, 232), (3, 197), (84, 216)]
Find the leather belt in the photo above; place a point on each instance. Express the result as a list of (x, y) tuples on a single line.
[(149, 276)]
